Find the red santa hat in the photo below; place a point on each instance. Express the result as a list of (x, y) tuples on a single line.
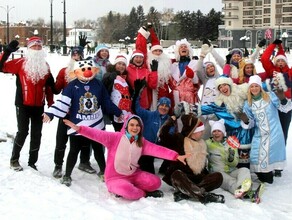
[(34, 41), (280, 55), (137, 53), (120, 58), (200, 127), (155, 41)]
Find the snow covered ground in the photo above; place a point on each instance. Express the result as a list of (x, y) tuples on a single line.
[(37, 195)]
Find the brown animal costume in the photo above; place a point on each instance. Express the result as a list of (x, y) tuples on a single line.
[(192, 180)]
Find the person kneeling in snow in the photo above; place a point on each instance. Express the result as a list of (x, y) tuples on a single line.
[(122, 175)]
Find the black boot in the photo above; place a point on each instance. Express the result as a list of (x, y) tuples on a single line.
[(182, 183), (178, 196), (212, 197), (155, 194)]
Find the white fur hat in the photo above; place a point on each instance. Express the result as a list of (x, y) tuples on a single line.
[(177, 46), (223, 80), (218, 125), (255, 79)]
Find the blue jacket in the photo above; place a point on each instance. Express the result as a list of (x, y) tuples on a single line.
[(152, 122)]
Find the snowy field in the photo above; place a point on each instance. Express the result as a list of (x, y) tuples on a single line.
[(37, 195)]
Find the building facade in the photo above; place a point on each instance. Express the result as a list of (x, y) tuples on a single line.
[(246, 22)]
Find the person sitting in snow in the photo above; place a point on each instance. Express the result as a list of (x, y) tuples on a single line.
[(75, 97), (193, 180), (123, 176), (223, 157)]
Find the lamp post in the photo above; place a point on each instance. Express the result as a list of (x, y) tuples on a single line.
[(284, 37), (7, 9), (64, 30), (51, 34)]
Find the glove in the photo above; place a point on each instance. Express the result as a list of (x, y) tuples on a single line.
[(277, 41), (179, 109), (12, 46), (149, 25), (154, 65), (206, 41), (246, 53), (139, 85), (82, 41), (231, 153), (228, 58), (262, 43), (195, 109), (243, 117), (50, 81), (233, 142), (204, 50), (189, 72), (280, 94)]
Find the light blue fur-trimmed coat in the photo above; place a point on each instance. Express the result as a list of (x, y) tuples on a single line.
[(268, 151)]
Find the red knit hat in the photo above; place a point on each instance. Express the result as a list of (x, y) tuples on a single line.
[(280, 55), (34, 41)]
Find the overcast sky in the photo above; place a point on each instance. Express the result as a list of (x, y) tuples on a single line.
[(91, 9)]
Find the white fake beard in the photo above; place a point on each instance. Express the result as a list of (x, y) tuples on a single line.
[(234, 103), (163, 70), (69, 69), (35, 65)]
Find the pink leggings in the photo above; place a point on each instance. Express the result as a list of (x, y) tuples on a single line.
[(135, 186)]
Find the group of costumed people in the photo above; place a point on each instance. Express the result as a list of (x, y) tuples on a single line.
[(233, 136)]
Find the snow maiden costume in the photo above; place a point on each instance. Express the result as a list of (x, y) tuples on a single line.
[(268, 152), (122, 175)]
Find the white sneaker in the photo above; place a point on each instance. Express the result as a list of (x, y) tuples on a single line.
[(244, 188)]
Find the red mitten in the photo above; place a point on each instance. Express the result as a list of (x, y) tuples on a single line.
[(189, 72), (233, 142)]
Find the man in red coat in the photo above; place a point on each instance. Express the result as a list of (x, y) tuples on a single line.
[(33, 79)]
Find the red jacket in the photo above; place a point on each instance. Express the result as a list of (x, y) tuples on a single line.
[(27, 93), (270, 67)]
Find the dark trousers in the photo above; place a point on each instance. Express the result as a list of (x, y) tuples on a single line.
[(78, 143), (61, 141), (285, 119), (147, 163), (24, 116)]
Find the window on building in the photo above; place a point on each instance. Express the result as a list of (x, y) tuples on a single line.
[(258, 12), (258, 3), (229, 23), (258, 21), (267, 1), (287, 19), (247, 4), (267, 20), (287, 9), (267, 10)]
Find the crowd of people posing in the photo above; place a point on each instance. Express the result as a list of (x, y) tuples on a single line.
[(231, 136)]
